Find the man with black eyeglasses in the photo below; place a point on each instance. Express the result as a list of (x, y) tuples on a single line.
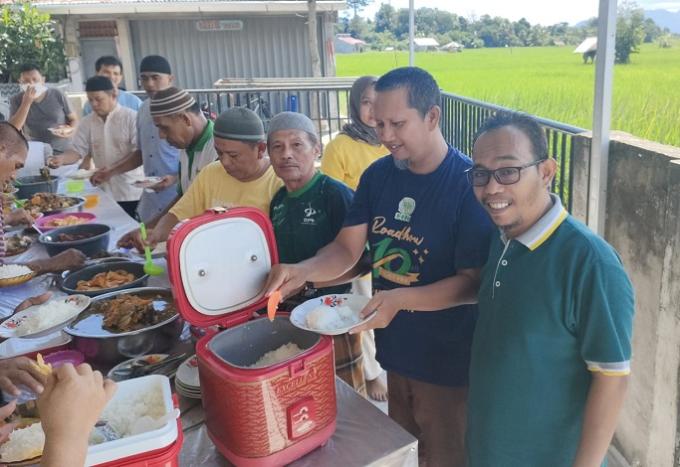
[(551, 350)]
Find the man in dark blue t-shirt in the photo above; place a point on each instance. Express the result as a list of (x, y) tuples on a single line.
[(428, 238)]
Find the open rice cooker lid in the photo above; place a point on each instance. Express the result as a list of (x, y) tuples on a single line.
[(218, 263)]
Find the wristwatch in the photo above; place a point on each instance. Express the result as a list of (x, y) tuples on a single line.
[(309, 290)]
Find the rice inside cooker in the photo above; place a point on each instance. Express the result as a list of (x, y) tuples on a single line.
[(283, 353)]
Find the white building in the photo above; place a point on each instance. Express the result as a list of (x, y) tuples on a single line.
[(452, 46), (204, 40), (346, 44), (425, 44)]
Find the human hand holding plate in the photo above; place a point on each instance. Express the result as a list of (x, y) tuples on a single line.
[(62, 131), (165, 182), (385, 304), (147, 182)]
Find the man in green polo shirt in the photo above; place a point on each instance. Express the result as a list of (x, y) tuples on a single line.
[(307, 213), (551, 350)]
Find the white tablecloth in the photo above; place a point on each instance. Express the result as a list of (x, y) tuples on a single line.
[(107, 211)]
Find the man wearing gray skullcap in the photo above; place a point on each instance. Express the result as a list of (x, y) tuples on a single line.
[(241, 124), (242, 176), (159, 158), (292, 121), (307, 213)]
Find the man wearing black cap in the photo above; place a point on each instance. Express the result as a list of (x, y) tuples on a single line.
[(242, 176), (106, 136), (160, 158)]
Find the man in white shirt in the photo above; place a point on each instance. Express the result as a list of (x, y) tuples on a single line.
[(104, 137)]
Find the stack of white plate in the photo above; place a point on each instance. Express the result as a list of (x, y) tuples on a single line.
[(187, 383)]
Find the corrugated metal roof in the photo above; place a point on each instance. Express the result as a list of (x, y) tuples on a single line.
[(426, 42), (88, 2), (588, 45), (143, 2), (347, 39), (150, 7)]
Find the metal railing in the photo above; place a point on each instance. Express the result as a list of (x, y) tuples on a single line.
[(327, 105), (462, 117)]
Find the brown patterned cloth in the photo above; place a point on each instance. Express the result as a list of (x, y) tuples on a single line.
[(349, 361)]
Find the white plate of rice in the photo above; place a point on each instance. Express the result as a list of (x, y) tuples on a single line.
[(330, 314), (40, 320), (15, 274), (80, 174)]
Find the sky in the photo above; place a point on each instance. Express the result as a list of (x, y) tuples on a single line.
[(544, 12)]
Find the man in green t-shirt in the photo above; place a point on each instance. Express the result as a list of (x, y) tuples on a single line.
[(551, 350), (307, 214)]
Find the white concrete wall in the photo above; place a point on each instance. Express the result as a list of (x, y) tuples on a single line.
[(643, 224)]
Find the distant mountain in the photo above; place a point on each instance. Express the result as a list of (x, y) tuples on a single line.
[(665, 19)]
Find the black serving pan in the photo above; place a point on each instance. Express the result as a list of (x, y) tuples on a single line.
[(90, 246), (29, 186), (70, 281)]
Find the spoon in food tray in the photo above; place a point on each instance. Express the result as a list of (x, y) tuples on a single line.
[(141, 368), (149, 268)]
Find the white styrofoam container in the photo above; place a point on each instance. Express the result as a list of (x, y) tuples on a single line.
[(143, 442)]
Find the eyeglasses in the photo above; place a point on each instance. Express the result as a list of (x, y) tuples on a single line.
[(504, 175)]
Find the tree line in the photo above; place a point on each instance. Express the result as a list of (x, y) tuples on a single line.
[(389, 28)]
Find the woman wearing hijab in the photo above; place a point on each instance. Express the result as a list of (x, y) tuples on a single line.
[(357, 146), (345, 159)]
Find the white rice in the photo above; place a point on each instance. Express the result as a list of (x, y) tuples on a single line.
[(281, 354), (127, 416), (122, 414), (8, 271), (329, 318), (24, 443), (46, 316)]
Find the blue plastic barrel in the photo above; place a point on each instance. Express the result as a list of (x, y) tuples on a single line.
[(292, 103)]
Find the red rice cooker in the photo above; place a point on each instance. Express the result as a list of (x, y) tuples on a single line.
[(272, 415)]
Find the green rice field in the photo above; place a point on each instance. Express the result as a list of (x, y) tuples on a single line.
[(551, 82)]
